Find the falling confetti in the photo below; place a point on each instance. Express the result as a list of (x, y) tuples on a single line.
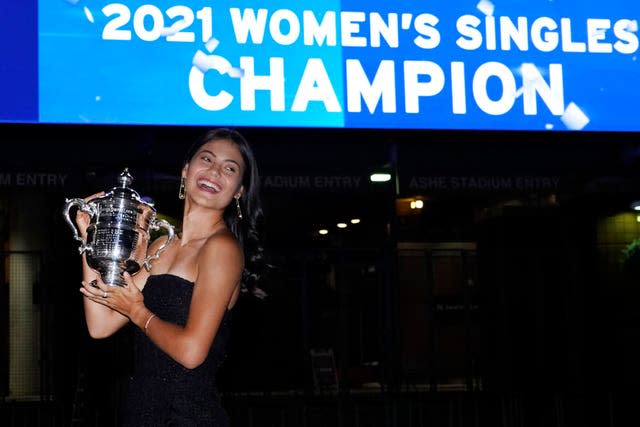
[(88, 14), (573, 117), (486, 7), (211, 44), (235, 72), (530, 73), (173, 29), (201, 61)]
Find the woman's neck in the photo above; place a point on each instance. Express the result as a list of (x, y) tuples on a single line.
[(200, 225)]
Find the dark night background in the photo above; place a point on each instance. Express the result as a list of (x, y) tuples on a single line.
[(539, 333)]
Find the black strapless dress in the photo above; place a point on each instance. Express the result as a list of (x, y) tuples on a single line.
[(161, 392)]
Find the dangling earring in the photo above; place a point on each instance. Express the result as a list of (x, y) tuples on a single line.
[(181, 190), (238, 207)]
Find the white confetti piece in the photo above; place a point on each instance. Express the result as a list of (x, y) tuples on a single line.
[(173, 29), (201, 61), (518, 93), (204, 62), (530, 73), (574, 118), (211, 44), (88, 14), (235, 72), (486, 7)]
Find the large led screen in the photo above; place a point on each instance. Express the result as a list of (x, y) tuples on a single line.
[(404, 64)]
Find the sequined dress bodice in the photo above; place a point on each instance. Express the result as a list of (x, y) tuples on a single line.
[(161, 391)]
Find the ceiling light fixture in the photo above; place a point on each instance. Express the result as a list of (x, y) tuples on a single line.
[(380, 177)]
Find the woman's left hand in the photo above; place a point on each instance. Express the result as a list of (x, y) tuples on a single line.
[(123, 299)]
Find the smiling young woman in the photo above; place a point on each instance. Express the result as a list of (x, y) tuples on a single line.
[(183, 306)]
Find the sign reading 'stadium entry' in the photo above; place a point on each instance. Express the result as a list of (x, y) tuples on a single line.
[(405, 64), (33, 179)]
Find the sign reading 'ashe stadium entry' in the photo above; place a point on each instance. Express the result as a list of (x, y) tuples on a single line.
[(437, 64)]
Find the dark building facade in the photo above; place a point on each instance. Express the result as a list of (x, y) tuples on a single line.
[(492, 275)]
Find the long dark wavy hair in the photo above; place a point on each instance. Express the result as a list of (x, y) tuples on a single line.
[(248, 229)]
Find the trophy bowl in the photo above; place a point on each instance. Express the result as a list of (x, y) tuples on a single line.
[(119, 229)]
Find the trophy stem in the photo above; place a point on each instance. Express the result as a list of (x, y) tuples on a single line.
[(113, 277)]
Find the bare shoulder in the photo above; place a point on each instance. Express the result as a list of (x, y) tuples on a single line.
[(221, 245), (220, 261)]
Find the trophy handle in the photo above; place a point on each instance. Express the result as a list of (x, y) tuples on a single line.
[(156, 224), (83, 206)]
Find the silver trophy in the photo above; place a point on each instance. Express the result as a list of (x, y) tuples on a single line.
[(119, 231)]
